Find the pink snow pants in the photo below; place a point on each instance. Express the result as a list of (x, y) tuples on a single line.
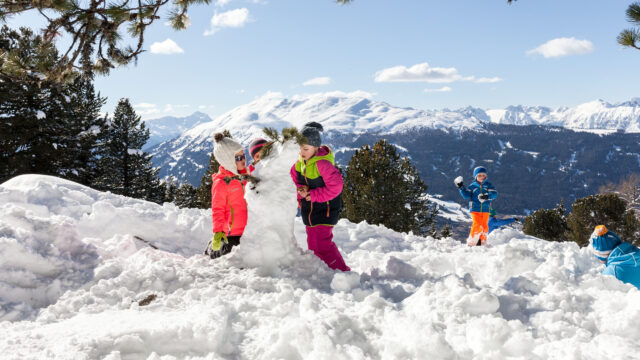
[(319, 239)]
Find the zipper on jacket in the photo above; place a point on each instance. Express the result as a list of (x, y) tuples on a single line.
[(231, 224), (305, 173)]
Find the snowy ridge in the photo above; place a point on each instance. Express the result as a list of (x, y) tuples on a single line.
[(76, 277), (355, 113), (169, 127), (594, 115), (346, 113), (337, 111)]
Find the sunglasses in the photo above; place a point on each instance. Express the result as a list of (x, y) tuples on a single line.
[(240, 157)]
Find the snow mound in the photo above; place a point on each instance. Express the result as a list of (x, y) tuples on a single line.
[(53, 234), (76, 283)]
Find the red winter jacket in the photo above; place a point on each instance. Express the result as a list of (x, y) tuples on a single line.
[(228, 205)]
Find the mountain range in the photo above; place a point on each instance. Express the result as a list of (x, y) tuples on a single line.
[(169, 127), (556, 154)]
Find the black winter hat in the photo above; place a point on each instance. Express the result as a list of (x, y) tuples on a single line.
[(311, 131)]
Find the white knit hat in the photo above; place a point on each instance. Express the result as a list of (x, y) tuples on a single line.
[(225, 150)]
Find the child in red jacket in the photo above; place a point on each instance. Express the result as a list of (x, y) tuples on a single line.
[(228, 206), (319, 185)]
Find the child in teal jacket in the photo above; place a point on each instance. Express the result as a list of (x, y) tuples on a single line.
[(621, 258)]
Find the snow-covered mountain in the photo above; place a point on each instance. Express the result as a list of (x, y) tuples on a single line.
[(443, 144), (596, 115), (76, 283), (340, 113), (355, 113), (169, 127), (350, 113)]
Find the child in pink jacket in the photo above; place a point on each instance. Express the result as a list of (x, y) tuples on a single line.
[(319, 185)]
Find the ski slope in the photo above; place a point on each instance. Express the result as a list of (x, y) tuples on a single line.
[(73, 279)]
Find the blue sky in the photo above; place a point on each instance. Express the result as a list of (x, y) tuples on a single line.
[(421, 53)]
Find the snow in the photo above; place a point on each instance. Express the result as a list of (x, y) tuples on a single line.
[(169, 127), (41, 115), (73, 277), (451, 211), (135, 152), (599, 117)]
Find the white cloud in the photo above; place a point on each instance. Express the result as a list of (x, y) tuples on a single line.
[(144, 105), (442, 89), (420, 73), (486, 80), (563, 47), (229, 19), (323, 80), (221, 3), (168, 108), (167, 47), (425, 73)]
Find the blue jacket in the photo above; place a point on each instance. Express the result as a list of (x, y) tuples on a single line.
[(624, 264), (496, 223), (476, 189)]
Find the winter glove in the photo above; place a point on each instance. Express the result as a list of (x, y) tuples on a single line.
[(216, 242), (483, 197), (458, 182)]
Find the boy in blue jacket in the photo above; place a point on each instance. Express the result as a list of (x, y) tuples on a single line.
[(480, 194), (621, 258)]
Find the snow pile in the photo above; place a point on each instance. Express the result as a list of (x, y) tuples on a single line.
[(408, 296), (52, 232), (41, 256)]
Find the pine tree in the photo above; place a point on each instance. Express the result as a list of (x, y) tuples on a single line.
[(127, 170), (445, 232), (84, 127), (186, 197), (631, 37), (433, 232), (45, 128), (96, 42), (628, 190), (382, 188), (547, 224), (171, 189), (607, 209)]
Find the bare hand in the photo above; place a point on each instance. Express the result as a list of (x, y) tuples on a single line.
[(303, 191)]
